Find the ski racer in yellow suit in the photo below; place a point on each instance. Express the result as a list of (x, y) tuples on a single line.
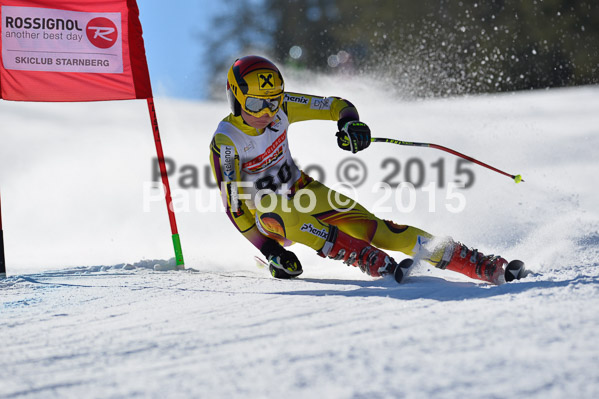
[(274, 204)]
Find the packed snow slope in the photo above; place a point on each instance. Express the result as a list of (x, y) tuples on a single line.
[(77, 192)]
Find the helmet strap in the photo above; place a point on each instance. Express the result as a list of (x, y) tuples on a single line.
[(236, 108)]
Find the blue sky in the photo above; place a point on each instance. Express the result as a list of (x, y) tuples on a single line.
[(174, 52)]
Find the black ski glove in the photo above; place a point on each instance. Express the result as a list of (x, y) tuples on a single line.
[(353, 136), (281, 262)]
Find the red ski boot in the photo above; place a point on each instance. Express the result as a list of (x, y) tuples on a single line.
[(470, 262), (359, 253)]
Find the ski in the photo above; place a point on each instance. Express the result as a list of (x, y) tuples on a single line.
[(261, 263), (515, 270), (402, 270)]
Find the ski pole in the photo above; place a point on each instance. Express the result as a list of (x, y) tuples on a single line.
[(2, 264), (516, 178)]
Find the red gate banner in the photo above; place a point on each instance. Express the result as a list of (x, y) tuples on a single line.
[(67, 50)]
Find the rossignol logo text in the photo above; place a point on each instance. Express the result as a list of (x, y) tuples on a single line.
[(314, 231), (41, 23)]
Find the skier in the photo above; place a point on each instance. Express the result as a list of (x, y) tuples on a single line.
[(274, 204)]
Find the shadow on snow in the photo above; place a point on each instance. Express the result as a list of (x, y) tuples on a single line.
[(435, 288), (415, 287)]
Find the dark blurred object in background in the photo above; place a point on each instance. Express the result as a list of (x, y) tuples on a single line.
[(420, 48)]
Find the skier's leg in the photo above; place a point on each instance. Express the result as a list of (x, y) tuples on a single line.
[(354, 219), (308, 217), (444, 253), (292, 220)]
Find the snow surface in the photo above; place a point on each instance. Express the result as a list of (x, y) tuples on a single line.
[(74, 181)]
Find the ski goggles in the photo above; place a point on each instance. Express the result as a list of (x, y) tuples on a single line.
[(260, 106)]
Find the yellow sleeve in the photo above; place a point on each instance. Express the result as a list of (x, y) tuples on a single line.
[(303, 107), (224, 160)]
